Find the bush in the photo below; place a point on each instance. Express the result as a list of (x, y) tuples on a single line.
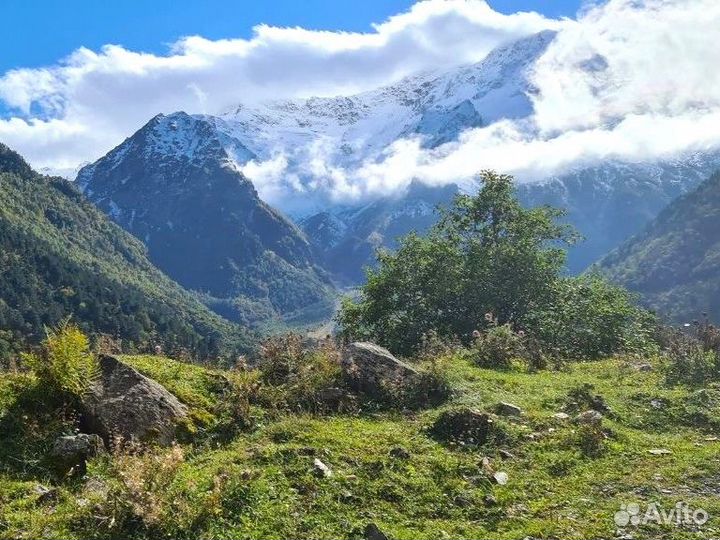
[(591, 440), (65, 362), (590, 318), (497, 347), (430, 388), (140, 484), (235, 408), (489, 254), (433, 346), (694, 357), (301, 378)]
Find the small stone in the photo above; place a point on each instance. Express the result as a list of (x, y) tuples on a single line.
[(373, 532), (347, 496), (657, 403), (486, 465), (45, 494), (505, 454), (590, 417), (490, 500), (501, 478), (508, 409), (71, 452), (644, 367), (399, 453), (660, 451), (321, 469), (561, 416)]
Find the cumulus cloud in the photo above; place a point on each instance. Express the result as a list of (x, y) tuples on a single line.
[(78, 109), (629, 80)]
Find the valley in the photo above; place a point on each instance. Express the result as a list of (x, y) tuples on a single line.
[(360, 271)]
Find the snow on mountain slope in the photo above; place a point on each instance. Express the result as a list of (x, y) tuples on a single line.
[(317, 135)]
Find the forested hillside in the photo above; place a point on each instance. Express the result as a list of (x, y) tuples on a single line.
[(60, 256), (675, 262)]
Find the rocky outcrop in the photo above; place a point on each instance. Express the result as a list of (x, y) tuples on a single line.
[(125, 404), (370, 369)]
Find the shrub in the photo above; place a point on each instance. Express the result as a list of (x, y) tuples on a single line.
[(497, 347), (693, 357), (281, 358), (301, 378), (65, 362), (235, 408), (433, 346), (591, 440), (590, 318), (431, 387), (141, 483)]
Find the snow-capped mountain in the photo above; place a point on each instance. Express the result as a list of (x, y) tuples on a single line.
[(317, 137), (174, 186), (297, 153)]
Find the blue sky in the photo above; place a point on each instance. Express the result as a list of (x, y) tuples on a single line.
[(40, 32)]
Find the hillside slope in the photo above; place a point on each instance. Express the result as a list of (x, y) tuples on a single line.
[(60, 256), (657, 445), (675, 262)]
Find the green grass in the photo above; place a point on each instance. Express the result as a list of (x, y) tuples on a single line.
[(262, 484)]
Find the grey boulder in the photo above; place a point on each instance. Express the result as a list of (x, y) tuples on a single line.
[(122, 403), (372, 369), (71, 452)]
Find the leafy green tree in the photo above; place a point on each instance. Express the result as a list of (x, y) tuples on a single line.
[(488, 260)]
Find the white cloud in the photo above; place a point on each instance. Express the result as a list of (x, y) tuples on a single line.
[(629, 79), (80, 108)]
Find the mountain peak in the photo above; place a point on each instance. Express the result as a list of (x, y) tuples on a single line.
[(176, 185)]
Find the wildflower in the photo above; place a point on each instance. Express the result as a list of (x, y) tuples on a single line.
[(521, 333), (476, 334)]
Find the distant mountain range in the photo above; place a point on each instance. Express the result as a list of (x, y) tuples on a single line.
[(178, 185), (674, 263), (60, 256)]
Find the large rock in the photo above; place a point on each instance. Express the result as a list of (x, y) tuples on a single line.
[(371, 369), (124, 404), (71, 452)]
